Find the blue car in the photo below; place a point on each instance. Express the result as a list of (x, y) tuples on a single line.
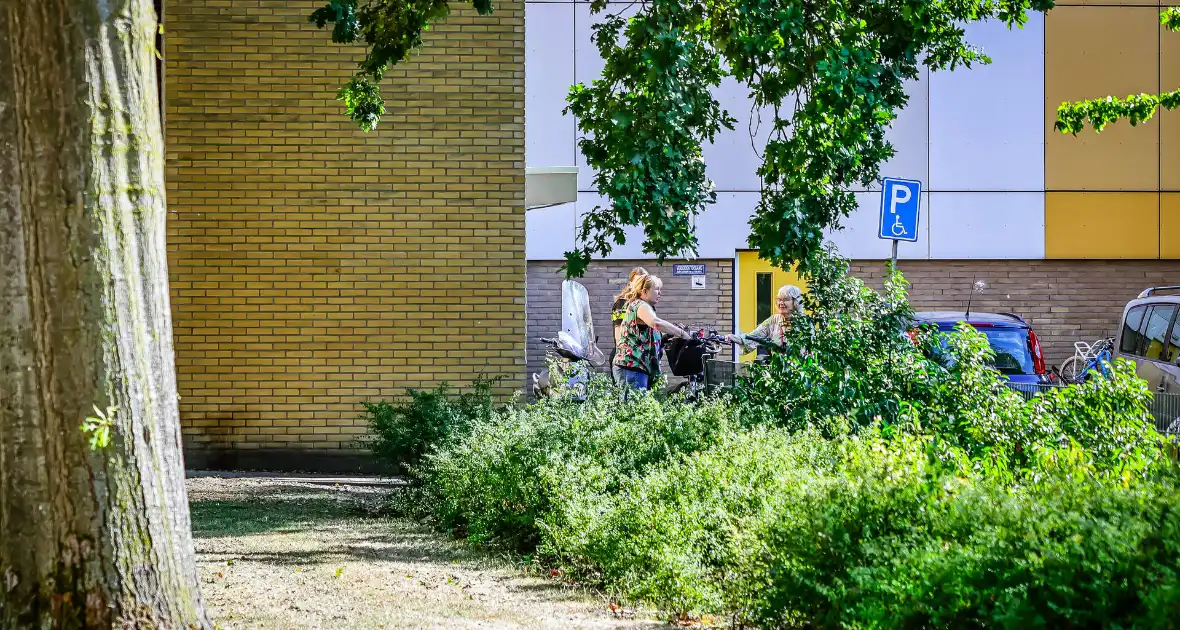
[(1018, 351)]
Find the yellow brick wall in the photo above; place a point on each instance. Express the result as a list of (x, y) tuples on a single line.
[(314, 266)]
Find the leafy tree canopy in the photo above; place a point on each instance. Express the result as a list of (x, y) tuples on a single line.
[(831, 71), (1135, 108)]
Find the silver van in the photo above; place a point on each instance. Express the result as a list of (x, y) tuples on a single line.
[(1149, 337)]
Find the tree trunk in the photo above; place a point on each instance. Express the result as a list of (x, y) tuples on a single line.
[(90, 536)]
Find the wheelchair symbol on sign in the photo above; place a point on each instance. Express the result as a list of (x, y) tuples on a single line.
[(897, 228)]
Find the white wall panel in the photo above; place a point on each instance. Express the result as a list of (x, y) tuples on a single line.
[(910, 135), (549, 72), (858, 239), (987, 225), (722, 229), (588, 63), (987, 123), (549, 232), (725, 227), (733, 160), (633, 248)]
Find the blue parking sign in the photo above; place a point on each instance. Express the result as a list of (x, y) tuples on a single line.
[(900, 204)]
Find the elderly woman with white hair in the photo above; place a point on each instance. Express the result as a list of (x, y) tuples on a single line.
[(789, 301)]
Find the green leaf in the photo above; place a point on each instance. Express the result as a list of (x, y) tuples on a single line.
[(362, 102)]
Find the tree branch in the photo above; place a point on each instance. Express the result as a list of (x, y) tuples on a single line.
[(1135, 108)]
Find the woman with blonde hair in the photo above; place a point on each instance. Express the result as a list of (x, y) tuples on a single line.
[(619, 308), (637, 357), (789, 302)]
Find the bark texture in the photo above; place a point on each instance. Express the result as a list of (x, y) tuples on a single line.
[(89, 537)]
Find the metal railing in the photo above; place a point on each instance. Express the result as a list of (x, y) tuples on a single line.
[(1164, 407), (1032, 390)]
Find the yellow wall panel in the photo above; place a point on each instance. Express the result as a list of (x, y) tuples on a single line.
[(1169, 122), (1102, 225), (1094, 51), (749, 266), (1170, 225), (1137, 3)]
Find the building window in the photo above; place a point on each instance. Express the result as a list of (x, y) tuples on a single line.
[(763, 296)]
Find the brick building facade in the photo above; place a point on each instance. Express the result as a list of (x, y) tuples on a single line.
[(314, 266), (711, 306), (1063, 300)]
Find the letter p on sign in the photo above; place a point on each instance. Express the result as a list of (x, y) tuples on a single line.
[(898, 195)]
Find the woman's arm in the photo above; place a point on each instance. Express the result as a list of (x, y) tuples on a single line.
[(649, 317), (763, 330)]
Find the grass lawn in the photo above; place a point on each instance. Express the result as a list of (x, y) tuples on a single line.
[(283, 553)]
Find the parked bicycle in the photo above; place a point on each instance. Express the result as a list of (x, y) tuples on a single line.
[(1088, 358)]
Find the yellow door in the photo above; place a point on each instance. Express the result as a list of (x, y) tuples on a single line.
[(758, 283)]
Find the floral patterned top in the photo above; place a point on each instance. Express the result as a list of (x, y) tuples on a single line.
[(774, 328), (639, 344)]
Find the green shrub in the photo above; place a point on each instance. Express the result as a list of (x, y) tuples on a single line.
[(864, 531), (402, 432), (1065, 552), (862, 479), (848, 356), (498, 480), (682, 536)]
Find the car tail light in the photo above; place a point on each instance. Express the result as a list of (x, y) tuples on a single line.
[(1034, 345)]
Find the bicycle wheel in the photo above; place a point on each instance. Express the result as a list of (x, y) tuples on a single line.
[(1073, 370)]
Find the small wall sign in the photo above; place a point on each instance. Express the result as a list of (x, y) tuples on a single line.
[(689, 270), (698, 282)]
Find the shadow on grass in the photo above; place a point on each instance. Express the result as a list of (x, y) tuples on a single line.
[(277, 508)]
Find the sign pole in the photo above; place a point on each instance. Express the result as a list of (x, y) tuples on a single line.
[(900, 208)]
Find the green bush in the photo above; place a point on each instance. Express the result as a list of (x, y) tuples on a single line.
[(861, 479), (848, 356), (667, 536), (863, 531), (1064, 552), (402, 432), (971, 407), (501, 478)]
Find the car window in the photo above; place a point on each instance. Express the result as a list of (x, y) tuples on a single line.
[(1011, 348), (1010, 345), (1154, 331), (1132, 339), (1173, 345)]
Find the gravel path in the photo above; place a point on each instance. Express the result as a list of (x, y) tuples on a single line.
[(297, 552)]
